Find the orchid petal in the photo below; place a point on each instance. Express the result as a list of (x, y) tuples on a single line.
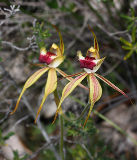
[(68, 89), (56, 62), (111, 84), (29, 83), (96, 46), (95, 92), (70, 78), (98, 64), (79, 54), (51, 85), (43, 51), (61, 40), (55, 49)]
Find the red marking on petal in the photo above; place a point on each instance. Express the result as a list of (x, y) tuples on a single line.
[(47, 58), (89, 58), (87, 63)]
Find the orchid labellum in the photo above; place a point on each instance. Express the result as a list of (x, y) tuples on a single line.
[(51, 59), (91, 63)]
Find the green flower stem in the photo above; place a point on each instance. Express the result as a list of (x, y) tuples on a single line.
[(61, 136), (56, 97)]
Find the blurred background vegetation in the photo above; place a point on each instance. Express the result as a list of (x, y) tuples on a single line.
[(111, 132)]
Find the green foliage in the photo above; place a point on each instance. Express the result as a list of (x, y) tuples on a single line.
[(130, 20), (74, 128), (16, 156), (79, 137), (41, 34), (78, 153), (52, 3), (68, 8), (130, 46), (47, 154), (3, 138), (2, 143)]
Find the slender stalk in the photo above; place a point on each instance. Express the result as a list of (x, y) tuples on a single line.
[(61, 137), (56, 97)]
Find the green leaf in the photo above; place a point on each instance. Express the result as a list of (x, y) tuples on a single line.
[(126, 17), (17, 157), (130, 25), (126, 47), (128, 55), (125, 42), (132, 12), (134, 34), (8, 135)]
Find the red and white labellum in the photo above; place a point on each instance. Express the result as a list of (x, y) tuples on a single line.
[(87, 62), (90, 64), (46, 57)]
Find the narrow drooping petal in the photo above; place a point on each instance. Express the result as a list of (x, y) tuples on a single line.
[(70, 78), (29, 83), (111, 84), (95, 92), (51, 85), (68, 89)]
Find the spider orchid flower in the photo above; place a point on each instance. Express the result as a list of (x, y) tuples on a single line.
[(51, 59), (91, 63)]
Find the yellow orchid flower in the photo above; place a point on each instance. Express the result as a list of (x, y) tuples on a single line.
[(91, 63), (51, 59)]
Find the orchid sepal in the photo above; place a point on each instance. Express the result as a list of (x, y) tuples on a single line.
[(95, 92), (50, 87), (68, 89), (31, 80), (111, 84)]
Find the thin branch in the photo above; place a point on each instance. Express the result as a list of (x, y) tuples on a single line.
[(89, 154), (18, 48), (6, 115)]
